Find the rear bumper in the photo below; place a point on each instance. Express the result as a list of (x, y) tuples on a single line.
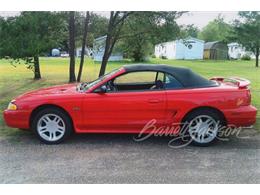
[(242, 116), (17, 118)]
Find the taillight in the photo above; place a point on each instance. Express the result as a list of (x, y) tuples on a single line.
[(249, 96), (246, 100)]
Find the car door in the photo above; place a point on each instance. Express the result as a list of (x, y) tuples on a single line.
[(127, 110)]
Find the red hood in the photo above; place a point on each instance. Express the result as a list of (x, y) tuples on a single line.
[(60, 89)]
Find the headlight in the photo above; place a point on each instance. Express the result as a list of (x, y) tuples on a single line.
[(12, 106)]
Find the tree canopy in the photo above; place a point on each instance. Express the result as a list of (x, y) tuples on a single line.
[(142, 30), (216, 30), (29, 35), (189, 30), (247, 31)]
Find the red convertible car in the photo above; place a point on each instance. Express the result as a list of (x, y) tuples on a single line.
[(126, 99)]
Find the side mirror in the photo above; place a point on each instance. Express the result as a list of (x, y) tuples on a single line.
[(102, 89)]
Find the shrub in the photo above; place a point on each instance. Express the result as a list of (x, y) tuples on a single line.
[(246, 57), (164, 57)]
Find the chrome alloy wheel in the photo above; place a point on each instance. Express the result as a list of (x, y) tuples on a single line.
[(203, 129), (51, 127)]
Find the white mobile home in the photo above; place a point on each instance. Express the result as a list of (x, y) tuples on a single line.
[(186, 49), (99, 49), (236, 51)]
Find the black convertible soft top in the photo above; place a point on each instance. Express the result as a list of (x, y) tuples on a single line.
[(185, 76)]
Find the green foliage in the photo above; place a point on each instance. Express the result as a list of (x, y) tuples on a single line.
[(144, 29), (97, 27), (164, 57), (246, 57), (189, 31), (31, 34), (247, 31), (216, 30), (138, 48)]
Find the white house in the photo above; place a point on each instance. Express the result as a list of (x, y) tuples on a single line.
[(188, 49), (236, 51), (88, 51), (99, 49)]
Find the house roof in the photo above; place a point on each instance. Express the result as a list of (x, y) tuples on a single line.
[(199, 40), (210, 45), (188, 38), (188, 78), (99, 38), (233, 44)]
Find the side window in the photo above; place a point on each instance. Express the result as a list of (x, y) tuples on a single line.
[(171, 82), (160, 76), (136, 78), (139, 81)]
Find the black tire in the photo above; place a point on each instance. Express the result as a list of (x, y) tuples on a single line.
[(203, 112), (66, 119)]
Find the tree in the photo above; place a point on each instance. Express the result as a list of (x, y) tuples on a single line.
[(115, 25), (247, 32), (216, 30), (72, 77), (97, 27), (29, 35), (136, 32), (84, 38), (137, 47), (189, 30), (144, 29)]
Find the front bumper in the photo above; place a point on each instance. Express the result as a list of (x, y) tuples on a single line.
[(17, 118), (241, 117)]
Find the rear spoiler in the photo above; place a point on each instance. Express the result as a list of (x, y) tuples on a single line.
[(240, 82)]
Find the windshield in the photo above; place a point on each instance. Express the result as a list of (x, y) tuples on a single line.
[(87, 85)]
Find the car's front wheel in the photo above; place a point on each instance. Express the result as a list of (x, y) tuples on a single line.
[(52, 125)]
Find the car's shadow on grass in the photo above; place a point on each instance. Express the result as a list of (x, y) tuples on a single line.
[(249, 140)]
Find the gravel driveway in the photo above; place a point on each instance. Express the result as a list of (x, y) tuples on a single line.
[(99, 158)]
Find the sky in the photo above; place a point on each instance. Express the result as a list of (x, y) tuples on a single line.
[(201, 18), (198, 18)]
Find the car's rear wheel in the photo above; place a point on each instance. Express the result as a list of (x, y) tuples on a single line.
[(202, 127), (52, 125)]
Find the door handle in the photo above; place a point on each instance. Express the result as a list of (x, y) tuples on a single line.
[(153, 101)]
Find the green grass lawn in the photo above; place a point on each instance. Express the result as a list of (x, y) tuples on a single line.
[(17, 80)]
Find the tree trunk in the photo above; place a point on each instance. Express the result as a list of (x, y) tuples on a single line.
[(108, 51), (83, 46), (257, 57), (107, 46), (113, 30), (72, 77), (37, 72), (105, 57), (103, 65)]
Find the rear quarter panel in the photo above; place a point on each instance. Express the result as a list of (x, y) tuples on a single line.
[(181, 102)]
